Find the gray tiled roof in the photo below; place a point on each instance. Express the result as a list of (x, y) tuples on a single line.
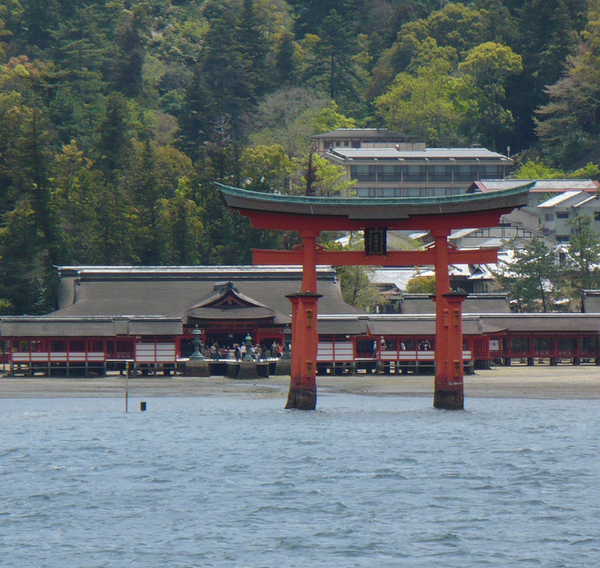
[(552, 323), (99, 326), (430, 153), (473, 304), (171, 291), (362, 134), (591, 301), (540, 185)]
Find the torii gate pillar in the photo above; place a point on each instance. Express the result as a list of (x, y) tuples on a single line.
[(449, 368), (305, 336)]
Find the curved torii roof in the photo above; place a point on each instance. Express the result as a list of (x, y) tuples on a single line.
[(292, 212)]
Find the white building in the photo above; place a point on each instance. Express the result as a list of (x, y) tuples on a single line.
[(558, 213)]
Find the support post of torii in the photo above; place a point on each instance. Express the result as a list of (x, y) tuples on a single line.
[(448, 389), (449, 366), (305, 336)]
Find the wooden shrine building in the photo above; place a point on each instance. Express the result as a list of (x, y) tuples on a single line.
[(111, 314)]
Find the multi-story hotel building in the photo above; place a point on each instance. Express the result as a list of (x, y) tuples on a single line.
[(385, 165)]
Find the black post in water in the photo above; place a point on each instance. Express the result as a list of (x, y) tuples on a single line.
[(143, 406), (126, 386)]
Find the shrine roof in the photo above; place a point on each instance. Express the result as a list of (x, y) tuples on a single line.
[(173, 291), (540, 322), (81, 326), (474, 304)]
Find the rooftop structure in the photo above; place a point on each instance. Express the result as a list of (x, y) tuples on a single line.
[(289, 212), (557, 213), (474, 304), (363, 138), (419, 172), (541, 189), (183, 291), (388, 164)]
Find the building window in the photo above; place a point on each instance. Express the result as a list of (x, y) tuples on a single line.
[(416, 173), (389, 173), (57, 346), (549, 217), (356, 143), (562, 215), (492, 172), (466, 173), (439, 173), (362, 173), (596, 215), (563, 238), (77, 346)]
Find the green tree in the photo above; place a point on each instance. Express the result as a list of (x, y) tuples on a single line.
[(40, 16), (447, 34), (488, 66), (356, 282), (180, 227), (583, 261), (113, 239), (334, 51), (532, 278), (287, 117), (425, 105), (330, 118), (25, 281), (537, 170), (133, 34), (357, 288), (254, 50), (152, 173), (569, 124), (421, 285), (547, 33), (267, 168), (316, 175), (76, 185), (115, 134)]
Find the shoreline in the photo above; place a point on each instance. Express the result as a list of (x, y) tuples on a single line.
[(538, 382)]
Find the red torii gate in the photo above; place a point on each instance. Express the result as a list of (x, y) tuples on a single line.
[(312, 215)]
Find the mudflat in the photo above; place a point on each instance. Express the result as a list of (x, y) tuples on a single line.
[(542, 381)]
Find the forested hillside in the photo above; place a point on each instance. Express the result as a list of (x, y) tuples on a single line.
[(117, 115)]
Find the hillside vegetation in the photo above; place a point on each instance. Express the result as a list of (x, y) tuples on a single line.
[(117, 115)]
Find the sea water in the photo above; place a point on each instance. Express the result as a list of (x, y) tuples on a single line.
[(361, 482)]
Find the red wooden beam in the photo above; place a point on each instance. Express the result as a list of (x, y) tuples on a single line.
[(289, 222), (354, 258)]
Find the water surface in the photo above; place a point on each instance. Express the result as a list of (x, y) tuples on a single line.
[(361, 482)]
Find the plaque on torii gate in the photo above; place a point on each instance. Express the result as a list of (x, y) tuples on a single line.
[(311, 215)]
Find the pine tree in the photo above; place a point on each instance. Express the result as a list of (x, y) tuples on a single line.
[(532, 278)]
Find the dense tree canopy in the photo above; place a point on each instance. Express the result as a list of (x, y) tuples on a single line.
[(117, 117)]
